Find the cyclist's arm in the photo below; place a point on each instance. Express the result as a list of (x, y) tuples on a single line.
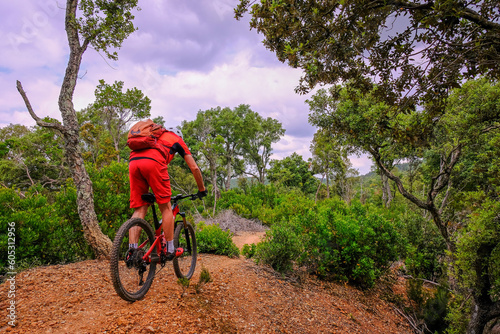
[(195, 170)]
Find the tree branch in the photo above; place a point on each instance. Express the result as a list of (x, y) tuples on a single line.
[(37, 119), (378, 160), (472, 16)]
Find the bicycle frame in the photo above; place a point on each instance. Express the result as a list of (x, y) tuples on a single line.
[(159, 236)]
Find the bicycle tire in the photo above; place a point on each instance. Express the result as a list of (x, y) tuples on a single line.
[(185, 265), (126, 276)]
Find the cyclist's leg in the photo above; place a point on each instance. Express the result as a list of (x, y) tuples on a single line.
[(168, 222), (138, 186), (135, 231)]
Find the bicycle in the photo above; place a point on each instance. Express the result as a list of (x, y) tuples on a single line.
[(133, 270)]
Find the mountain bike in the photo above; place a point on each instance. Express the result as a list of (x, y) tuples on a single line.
[(133, 269)]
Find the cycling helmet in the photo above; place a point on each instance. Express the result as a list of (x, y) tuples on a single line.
[(177, 131)]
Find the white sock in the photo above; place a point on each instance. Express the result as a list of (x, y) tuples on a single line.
[(132, 245), (170, 246)]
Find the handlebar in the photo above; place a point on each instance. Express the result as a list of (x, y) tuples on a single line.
[(192, 197), (150, 197), (179, 197)]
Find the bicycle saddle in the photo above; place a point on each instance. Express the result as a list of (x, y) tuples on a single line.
[(149, 197)]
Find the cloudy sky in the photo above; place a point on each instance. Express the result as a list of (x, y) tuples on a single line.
[(187, 56)]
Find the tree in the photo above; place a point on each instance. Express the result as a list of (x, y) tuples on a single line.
[(416, 50), (330, 159), (322, 103), (292, 171), (207, 144), (32, 157), (114, 110), (257, 144), (103, 25), (472, 112), (233, 126)]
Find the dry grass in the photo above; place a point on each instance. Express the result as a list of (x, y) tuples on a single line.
[(228, 220)]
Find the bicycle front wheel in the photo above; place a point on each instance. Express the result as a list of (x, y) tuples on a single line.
[(185, 238), (131, 274)]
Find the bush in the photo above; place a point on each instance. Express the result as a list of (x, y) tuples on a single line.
[(249, 250), (42, 233), (281, 247), (335, 241), (111, 196), (211, 239), (425, 247)]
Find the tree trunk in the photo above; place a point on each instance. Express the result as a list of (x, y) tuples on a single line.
[(485, 309), (327, 185), (100, 243), (386, 190), (227, 184), (319, 186)]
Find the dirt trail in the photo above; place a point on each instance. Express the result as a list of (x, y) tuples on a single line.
[(242, 298)]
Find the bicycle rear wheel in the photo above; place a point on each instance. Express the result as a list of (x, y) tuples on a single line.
[(185, 238), (131, 275)]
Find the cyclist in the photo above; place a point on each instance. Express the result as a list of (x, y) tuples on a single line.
[(149, 168)]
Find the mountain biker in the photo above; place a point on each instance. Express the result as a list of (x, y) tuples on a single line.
[(149, 168)]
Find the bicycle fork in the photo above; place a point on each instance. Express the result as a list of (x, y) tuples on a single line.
[(185, 228)]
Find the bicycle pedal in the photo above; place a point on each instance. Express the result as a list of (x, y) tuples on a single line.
[(178, 252)]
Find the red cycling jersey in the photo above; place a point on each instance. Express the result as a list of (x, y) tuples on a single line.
[(149, 168)]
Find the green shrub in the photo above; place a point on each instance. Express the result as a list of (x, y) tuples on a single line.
[(211, 239), (111, 195), (42, 233), (425, 247), (281, 247), (335, 241), (249, 250)]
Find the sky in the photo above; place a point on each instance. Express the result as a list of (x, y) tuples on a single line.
[(186, 56)]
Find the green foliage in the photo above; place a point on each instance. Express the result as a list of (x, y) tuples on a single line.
[(335, 241), (111, 195), (330, 159), (459, 309), (224, 139), (42, 233), (293, 171), (249, 250), (105, 25), (478, 249), (281, 247), (104, 124), (425, 247), (48, 228), (205, 278), (212, 239), (350, 41), (31, 157), (184, 284)]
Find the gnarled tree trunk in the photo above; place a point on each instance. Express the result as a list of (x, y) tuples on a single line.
[(100, 243)]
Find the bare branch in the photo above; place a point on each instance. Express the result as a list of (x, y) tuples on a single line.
[(445, 200), (491, 128), (38, 120)]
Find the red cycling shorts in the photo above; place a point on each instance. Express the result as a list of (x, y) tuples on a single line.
[(145, 173)]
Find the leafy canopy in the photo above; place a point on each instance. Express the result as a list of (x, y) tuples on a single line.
[(414, 50), (105, 24)]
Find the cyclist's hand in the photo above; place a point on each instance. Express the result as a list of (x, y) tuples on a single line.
[(201, 194)]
